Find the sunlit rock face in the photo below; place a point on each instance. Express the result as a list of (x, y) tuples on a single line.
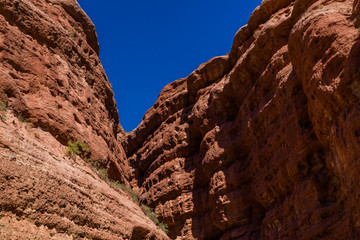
[(51, 75), (261, 143), (53, 89)]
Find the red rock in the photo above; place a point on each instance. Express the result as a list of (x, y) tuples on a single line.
[(257, 144), (51, 78), (46, 195), (260, 144)]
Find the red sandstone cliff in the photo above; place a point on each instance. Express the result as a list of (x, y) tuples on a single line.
[(53, 89), (261, 143), (258, 144), (51, 75)]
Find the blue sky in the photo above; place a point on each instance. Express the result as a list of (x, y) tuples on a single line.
[(145, 45)]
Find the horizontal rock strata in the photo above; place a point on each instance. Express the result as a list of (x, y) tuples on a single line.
[(51, 75), (53, 89)]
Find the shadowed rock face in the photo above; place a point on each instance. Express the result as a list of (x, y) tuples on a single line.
[(261, 143), (56, 90)]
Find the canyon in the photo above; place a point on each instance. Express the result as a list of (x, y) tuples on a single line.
[(256, 144)]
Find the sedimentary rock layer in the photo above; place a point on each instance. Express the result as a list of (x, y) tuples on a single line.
[(45, 195), (261, 143), (53, 89), (258, 144), (51, 75)]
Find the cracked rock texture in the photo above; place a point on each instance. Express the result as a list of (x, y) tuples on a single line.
[(261, 143)]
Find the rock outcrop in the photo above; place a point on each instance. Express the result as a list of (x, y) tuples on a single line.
[(51, 75), (53, 89), (261, 143)]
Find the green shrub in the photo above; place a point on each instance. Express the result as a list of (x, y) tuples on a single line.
[(94, 164), (117, 184), (153, 217), (149, 212), (133, 194), (96, 167), (77, 148), (164, 227), (73, 150), (22, 119), (103, 174), (3, 107)]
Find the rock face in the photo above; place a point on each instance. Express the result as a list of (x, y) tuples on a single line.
[(51, 75), (53, 89), (46, 195), (258, 144), (261, 143)]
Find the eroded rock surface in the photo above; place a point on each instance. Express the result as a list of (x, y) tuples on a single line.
[(258, 144), (51, 75), (53, 89), (261, 143), (47, 195)]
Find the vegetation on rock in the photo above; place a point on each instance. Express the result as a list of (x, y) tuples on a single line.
[(149, 212), (3, 107), (77, 148)]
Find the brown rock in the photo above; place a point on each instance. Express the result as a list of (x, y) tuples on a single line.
[(56, 90), (261, 144), (46, 195), (51, 75)]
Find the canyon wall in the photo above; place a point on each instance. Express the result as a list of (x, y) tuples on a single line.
[(53, 89), (51, 76), (261, 143), (257, 144)]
